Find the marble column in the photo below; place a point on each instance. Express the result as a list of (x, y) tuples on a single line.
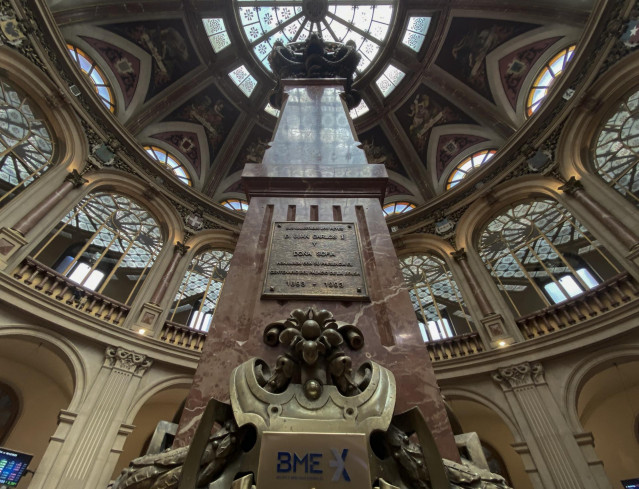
[(315, 170), (493, 322), (553, 446), (12, 239), (83, 451), (620, 231)]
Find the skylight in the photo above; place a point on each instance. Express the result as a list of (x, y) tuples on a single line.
[(269, 109), (415, 32), (265, 21), (360, 110), (216, 30), (389, 80), (244, 80)]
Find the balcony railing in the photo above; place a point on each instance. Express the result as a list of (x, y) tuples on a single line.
[(608, 295), (51, 283), (455, 347), (180, 335)]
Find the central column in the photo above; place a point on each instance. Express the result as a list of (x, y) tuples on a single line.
[(315, 235)]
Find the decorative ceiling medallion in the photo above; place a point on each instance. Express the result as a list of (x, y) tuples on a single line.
[(315, 10)]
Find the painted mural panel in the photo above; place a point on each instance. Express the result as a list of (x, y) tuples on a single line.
[(467, 44), (379, 150), (254, 147), (451, 145), (186, 143), (168, 44)]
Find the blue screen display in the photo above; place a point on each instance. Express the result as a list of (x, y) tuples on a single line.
[(12, 466), (630, 484)]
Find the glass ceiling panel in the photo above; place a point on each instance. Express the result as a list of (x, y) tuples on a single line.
[(266, 21)]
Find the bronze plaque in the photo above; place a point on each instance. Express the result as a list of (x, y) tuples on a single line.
[(320, 260)]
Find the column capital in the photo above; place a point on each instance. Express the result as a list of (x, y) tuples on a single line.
[(572, 186), (181, 248), (75, 178), (516, 376), (126, 360), (459, 255)]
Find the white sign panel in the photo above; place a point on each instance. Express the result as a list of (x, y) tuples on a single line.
[(313, 461)]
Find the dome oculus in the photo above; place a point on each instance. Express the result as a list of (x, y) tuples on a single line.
[(266, 21)]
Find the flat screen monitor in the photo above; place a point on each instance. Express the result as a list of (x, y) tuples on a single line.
[(630, 484), (12, 466)]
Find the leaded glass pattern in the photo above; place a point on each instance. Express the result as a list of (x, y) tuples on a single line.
[(244, 80), (235, 204), (263, 22), (269, 109), (360, 110), (26, 145), (437, 301), (617, 150), (96, 76), (389, 80), (469, 165), (113, 234), (196, 299), (216, 32), (170, 162), (546, 78), (536, 243), (397, 208), (415, 32)]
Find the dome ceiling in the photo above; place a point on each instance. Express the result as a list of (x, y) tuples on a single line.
[(440, 80)]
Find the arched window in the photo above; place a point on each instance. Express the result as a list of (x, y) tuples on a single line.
[(95, 74), (469, 165), (397, 208), (235, 204), (170, 162), (616, 154), (9, 408), (539, 255), (196, 299), (26, 146), (546, 77), (437, 301), (110, 243)]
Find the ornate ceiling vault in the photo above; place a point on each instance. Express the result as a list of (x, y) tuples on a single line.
[(441, 80)]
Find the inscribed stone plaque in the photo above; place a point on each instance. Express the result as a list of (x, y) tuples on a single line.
[(313, 461), (320, 260)]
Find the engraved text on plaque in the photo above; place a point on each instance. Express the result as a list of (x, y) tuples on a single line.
[(315, 259)]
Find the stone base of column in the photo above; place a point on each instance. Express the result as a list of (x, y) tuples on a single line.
[(497, 332), (148, 319), (10, 242)]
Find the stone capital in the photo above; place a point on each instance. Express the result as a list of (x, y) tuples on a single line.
[(572, 186), (126, 360), (75, 178), (181, 248), (459, 255), (516, 376)]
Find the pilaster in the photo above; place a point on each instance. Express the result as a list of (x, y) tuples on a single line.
[(10, 242), (554, 449)]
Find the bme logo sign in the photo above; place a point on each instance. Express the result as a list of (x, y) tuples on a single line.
[(312, 461)]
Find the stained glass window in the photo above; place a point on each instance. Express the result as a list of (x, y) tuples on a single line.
[(415, 32), (361, 109), (244, 80), (196, 299), (468, 165), (546, 78), (112, 234), (169, 161), (389, 80), (216, 30), (95, 74), (26, 146), (539, 254), (264, 22), (439, 306), (397, 208), (235, 204), (616, 157)]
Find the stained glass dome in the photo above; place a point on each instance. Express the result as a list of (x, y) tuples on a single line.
[(266, 21)]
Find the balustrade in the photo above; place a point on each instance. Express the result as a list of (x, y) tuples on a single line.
[(455, 347), (180, 335), (606, 296), (51, 283)]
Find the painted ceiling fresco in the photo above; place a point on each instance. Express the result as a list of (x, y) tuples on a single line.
[(468, 43), (253, 150), (451, 145), (186, 143), (123, 64), (379, 150), (168, 44)]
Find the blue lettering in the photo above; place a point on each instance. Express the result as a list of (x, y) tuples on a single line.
[(315, 459), (303, 460), (283, 462)]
